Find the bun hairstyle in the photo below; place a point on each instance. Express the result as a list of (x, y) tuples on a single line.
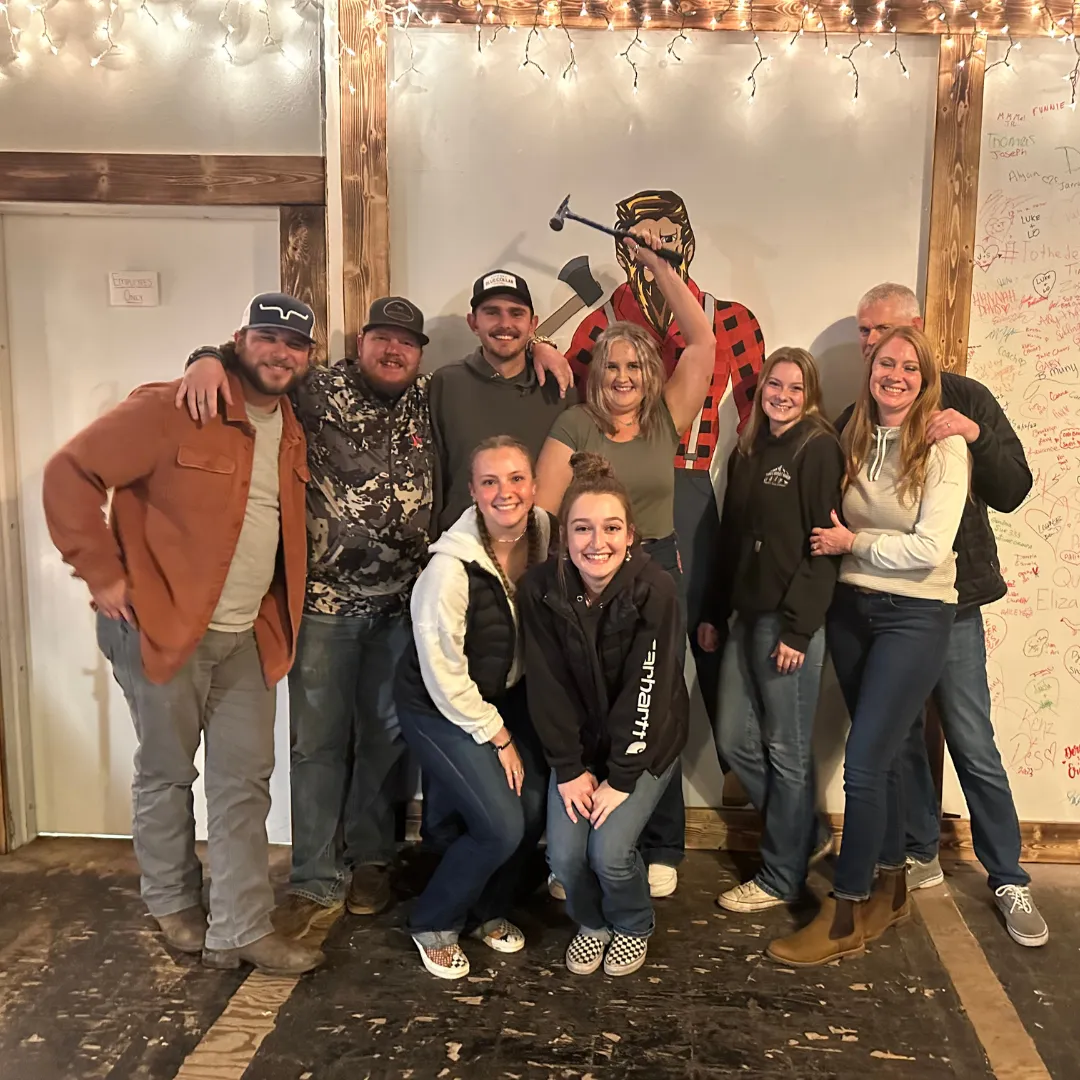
[(593, 475), (532, 531)]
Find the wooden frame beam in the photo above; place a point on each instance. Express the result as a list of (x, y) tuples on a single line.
[(304, 264), (908, 16), (954, 201), (163, 179)]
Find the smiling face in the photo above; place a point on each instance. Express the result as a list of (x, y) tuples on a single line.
[(876, 319), (597, 537), (503, 324), (622, 383), (895, 381), (272, 362), (783, 396), (389, 359), (504, 489)]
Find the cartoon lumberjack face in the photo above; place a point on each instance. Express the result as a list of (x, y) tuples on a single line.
[(662, 212)]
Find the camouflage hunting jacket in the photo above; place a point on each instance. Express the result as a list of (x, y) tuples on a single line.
[(369, 498)]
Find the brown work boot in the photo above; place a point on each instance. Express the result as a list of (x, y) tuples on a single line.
[(185, 930), (836, 931), (272, 955), (369, 890), (888, 904), (296, 915)]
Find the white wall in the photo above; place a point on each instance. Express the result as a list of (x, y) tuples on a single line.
[(169, 88), (799, 202), (72, 358)]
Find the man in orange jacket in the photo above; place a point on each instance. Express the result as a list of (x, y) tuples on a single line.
[(198, 581)]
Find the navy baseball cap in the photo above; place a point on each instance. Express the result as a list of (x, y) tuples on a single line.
[(276, 311), (500, 283)]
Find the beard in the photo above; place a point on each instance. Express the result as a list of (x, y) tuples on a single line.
[(253, 374), (649, 297)]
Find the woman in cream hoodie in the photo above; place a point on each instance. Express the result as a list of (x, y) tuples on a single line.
[(461, 703)]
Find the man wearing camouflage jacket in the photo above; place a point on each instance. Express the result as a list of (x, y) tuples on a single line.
[(368, 515)]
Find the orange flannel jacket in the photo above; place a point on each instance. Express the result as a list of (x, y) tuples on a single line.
[(179, 495)]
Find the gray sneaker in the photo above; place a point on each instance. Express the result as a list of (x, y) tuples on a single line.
[(1022, 919), (924, 875)]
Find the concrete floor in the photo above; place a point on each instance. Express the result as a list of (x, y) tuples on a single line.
[(88, 989)]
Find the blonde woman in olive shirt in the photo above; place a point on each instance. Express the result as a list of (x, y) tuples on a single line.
[(635, 419)]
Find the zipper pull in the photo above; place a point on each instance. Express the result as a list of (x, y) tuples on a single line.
[(757, 546)]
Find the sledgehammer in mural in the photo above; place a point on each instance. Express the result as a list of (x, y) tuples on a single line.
[(740, 351)]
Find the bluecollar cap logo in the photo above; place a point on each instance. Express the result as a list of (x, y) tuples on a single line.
[(399, 311), (500, 281)]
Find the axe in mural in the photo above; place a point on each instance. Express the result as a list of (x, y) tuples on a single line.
[(740, 352)]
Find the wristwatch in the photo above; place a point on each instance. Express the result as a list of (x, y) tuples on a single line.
[(205, 350)]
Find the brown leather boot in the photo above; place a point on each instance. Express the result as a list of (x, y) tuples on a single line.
[(837, 931), (185, 930), (369, 890), (296, 915), (272, 955), (888, 904)]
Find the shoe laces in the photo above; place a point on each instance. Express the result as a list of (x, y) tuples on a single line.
[(1020, 895)]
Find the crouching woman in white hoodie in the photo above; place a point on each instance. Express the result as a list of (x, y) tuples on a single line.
[(461, 703)]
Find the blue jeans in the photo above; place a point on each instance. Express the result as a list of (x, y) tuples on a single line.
[(663, 840), (346, 748), (764, 730), (602, 871), (495, 862), (963, 700), (888, 652)]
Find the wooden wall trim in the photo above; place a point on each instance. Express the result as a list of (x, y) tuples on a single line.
[(163, 179), (304, 266), (909, 16), (365, 204), (954, 200), (740, 830)]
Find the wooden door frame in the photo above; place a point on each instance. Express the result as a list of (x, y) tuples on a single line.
[(296, 186)]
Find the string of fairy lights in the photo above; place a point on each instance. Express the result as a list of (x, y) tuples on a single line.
[(21, 21)]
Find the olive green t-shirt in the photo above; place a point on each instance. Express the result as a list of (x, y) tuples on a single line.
[(645, 466)]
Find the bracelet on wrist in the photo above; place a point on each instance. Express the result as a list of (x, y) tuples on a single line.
[(499, 749)]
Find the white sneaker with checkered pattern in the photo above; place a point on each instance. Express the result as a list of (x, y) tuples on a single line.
[(625, 954), (585, 953)]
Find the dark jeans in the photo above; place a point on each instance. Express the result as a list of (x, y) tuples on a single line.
[(607, 887), (697, 525), (346, 748), (494, 862), (963, 700), (888, 652), (663, 840), (764, 729)]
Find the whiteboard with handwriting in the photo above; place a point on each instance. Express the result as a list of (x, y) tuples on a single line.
[(1025, 346)]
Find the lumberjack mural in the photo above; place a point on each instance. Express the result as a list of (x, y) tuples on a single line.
[(740, 352)]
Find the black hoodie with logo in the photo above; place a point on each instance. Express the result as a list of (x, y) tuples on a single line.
[(787, 486), (605, 681)]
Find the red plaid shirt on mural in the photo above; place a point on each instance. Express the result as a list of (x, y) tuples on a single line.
[(740, 353)]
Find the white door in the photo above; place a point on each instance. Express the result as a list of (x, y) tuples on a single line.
[(74, 357)]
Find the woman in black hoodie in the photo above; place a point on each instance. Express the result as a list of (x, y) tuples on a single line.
[(783, 480), (608, 700)]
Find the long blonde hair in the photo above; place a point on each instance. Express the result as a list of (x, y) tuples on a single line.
[(811, 411), (914, 449), (653, 378)]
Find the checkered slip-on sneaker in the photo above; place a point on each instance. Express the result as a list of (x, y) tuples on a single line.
[(444, 961), (584, 954), (625, 954)]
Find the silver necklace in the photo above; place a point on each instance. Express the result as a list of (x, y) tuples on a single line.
[(512, 540)]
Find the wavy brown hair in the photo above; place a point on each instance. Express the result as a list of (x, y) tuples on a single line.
[(653, 377), (811, 411), (593, 475), (915, 451), (507, 442)]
